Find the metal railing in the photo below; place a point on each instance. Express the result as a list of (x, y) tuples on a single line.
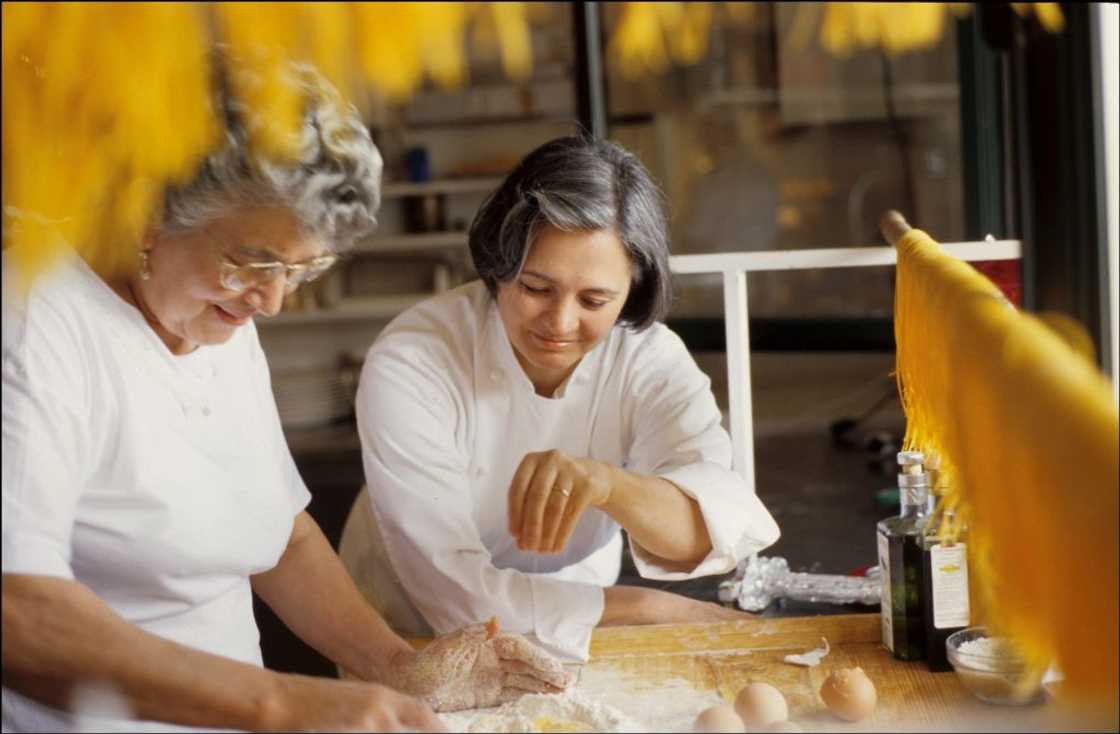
[(734, 266)]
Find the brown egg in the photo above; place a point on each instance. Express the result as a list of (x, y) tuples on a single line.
[(760, 704), (849, 694), (718, 719)]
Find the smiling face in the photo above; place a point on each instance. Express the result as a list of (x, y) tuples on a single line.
[(566, 299), (184, 299)]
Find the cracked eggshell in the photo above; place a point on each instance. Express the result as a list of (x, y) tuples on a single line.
[(849, 694)]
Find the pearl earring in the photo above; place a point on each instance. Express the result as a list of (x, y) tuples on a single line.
[(145, 268)]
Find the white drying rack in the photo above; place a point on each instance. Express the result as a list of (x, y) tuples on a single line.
[(734, 266)]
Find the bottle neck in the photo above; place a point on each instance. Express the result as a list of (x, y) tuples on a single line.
[(913, 501)]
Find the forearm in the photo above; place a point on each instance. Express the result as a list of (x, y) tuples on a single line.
[(59, 635), (624, 605), (642, 605), (311, 592), (658, 516)]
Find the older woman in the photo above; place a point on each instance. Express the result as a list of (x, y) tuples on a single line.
[(512, 426), (148, 491)]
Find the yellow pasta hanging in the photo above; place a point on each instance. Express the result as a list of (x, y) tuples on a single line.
[(107, 103), (1027, 429)]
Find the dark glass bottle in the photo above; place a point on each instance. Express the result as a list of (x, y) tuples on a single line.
[(900, 562), (945, 598)]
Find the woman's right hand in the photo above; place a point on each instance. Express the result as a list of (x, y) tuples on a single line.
[(323, 704), (478, 667)]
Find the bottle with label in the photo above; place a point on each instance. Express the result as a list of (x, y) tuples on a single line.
[(944, 584), (900, 562)]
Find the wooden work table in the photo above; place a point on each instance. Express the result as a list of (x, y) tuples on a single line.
[(723, 657), (726, 656)]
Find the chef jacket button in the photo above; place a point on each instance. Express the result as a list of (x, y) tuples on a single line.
[(479, 471), (496, 375), (206, 410)]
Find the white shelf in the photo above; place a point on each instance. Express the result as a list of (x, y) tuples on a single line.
[(439, 186), (412, 242), (349, 309)]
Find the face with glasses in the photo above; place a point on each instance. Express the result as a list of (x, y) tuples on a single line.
[(207, 282), (246, 272)]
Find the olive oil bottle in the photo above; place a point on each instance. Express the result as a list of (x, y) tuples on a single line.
[(900, 562), (944, 581)]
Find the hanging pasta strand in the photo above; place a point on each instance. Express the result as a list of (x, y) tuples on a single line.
[(1027, 430), (107, 103), (76, 103)]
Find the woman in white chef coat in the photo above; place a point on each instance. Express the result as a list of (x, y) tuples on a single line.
[(148, 490), (512, 426)]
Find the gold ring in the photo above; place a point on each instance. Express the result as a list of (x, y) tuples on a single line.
[(564, 492)]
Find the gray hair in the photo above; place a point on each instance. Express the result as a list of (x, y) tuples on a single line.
[(579, 184), (333, 186)]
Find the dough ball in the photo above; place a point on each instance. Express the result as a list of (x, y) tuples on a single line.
[(784, 726), (760, 704), (849, 694), (718, 719)]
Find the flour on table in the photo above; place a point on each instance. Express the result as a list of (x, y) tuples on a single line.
[(603, 700), (571, 711)]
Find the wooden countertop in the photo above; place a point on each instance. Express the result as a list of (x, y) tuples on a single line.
[(647, 665), (724, 657)]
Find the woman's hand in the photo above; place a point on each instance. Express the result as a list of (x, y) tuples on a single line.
[(477, 667), (322, 704), (549, 492)]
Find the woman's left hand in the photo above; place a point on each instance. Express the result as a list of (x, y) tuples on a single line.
[(478, 667), (549, 492)]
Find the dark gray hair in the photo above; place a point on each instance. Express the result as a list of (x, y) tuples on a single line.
[(579, 184), (333, 186)]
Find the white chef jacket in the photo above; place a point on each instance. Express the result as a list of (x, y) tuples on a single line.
[(446, 414), (161, 482)]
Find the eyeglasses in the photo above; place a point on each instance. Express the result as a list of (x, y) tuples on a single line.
[(238, 278)]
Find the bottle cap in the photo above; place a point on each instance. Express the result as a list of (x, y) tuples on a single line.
[(907, 458)]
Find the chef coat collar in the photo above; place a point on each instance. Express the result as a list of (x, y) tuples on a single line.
[(499, 362)]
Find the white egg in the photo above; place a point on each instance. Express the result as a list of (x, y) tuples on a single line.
[(720, 718), (760, 704), (849, 694), (784, 726)]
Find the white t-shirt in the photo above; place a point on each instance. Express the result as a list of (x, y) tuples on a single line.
[(161, 482), (446, 414)]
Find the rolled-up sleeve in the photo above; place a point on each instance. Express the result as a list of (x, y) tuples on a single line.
[(45, 441), (675, 425), (407, 411)]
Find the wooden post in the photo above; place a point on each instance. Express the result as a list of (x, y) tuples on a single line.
[(893, 225)]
